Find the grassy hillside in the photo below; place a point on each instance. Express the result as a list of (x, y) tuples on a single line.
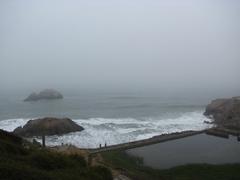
[(20, 160), (133, 167)]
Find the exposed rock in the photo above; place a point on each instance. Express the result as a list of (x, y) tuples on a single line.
[(225, 112), (45, 94), (47, 126)]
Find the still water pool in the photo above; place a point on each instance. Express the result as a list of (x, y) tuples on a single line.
[(200, 148)]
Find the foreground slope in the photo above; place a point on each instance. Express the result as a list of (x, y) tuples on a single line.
[(133, 167), (21, 160)]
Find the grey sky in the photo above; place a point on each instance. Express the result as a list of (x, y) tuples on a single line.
[(123, 44)]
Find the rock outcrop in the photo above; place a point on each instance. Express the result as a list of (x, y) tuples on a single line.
[(45, 94), (47, 126), (225, 112)]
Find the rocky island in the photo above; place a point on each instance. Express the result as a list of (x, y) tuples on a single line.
[(47, 94), (47, 126), (225, 112)]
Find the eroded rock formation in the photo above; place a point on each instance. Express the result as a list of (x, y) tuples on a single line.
[(47, 126), (225, 112)]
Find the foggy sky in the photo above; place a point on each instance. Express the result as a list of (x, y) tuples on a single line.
[(120, 44)]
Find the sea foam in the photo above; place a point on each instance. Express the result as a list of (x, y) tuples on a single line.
[(114, 131)]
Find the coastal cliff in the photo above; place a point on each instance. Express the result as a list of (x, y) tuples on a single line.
[(225, 112)]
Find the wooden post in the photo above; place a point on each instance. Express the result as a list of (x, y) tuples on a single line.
[(89, 160), (43, 141)]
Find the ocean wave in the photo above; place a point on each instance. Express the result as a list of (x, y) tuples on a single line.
[(11, 124), (119, 130)]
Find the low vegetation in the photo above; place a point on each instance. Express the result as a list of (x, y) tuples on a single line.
[(133, 167), (20, 160)]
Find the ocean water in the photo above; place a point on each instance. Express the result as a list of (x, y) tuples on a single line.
[(110, 118)]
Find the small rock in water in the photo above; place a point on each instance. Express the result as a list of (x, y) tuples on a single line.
[(47, 94)]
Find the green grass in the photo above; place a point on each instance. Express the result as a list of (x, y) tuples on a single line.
[(24, 162), (134, 168)]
